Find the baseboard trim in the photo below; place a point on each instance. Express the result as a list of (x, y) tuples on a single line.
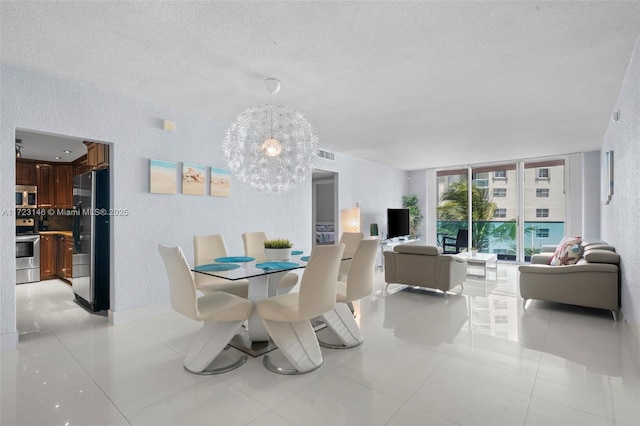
[(8, 341), (128, 315)]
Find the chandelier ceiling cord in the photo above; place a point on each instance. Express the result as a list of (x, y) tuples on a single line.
[(270, 148)]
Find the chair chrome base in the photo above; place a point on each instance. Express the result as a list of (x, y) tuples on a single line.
[(286, 371), (211, 369), (334, 346)]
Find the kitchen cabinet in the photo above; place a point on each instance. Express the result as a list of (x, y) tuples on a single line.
[(97, 155), (48, 257), (64, 255), (67, 267), (45, 180), (55, 185), (56, 256), (64, 186), (81, 166), (25, 173)]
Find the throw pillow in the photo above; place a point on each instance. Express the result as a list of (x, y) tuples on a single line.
[(562, 251), (571, 254)]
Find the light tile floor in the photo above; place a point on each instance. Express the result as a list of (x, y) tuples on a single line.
[(470, 359)]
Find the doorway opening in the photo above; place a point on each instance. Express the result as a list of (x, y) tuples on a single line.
[(324, 207), (53, 164)]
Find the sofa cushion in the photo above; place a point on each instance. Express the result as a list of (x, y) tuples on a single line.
[(586, 243), (568, 251), (601, 256), (416, 249), (603, 246)]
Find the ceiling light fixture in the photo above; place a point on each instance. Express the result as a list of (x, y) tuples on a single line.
[(270, 148), (66, 151), (57, 158), (18, 148)]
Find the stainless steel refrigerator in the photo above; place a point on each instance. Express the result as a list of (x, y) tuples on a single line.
[(91, 240)]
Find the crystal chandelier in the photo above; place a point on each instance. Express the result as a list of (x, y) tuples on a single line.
[(270, 148)]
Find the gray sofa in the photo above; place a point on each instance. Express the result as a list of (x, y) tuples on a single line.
[(592, 282), (424, 266)]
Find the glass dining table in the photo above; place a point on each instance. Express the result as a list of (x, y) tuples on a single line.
[(263, 276)]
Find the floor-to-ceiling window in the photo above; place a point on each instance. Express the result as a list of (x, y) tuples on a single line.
[(495, 210), (544, 205), (510, 209), (453, 209)]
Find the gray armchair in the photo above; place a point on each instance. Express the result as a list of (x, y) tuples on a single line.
[(424, 266)]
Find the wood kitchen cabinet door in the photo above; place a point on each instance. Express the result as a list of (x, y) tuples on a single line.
[(48, 257), (97, 155), (46, 182), (67, 258), (64, 186), (25, 173)]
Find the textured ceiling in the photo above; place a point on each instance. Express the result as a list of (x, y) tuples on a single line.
[(408, 84)]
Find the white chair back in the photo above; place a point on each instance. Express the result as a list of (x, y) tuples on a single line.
[(360, 277), (206, 248), (181, 284), (319, 281), (253, 243), (350, 241)]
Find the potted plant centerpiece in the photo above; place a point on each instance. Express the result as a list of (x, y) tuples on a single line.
[(278, 249)]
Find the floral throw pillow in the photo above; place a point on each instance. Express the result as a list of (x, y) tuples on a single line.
[(568, 252)]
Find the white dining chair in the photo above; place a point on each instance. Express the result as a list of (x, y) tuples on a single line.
[(287, 316), (207, 248), (350, 241), (359, 284), (254, 246), (222, 314)]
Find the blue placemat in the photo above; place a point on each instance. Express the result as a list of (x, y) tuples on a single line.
[(296, 252), (235, 259), (305, 258), (216, 267), (270, 266)]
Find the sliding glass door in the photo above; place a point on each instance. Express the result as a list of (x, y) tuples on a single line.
[(488, 213), (453, 210), (544, 205), (495, 210)]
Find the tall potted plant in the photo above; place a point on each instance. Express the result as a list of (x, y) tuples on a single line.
[(415, 215)]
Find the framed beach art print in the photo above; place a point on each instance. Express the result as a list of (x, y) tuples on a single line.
[(162, 177), (193, 179), (220, 182)]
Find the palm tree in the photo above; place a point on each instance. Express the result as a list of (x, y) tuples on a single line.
[(454, 206)]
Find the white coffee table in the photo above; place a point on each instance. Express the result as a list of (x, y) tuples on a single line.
[(483, 259)]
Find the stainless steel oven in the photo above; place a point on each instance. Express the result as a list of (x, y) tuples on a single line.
[(26, 197), (27, 251)]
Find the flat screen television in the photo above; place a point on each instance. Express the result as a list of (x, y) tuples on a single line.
[(397, 223)]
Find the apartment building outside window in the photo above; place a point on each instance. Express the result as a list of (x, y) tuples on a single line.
[(542, 212), (499, 192), (500, 174), (500, 213), (542, 193), (543, 173), (542, 233)]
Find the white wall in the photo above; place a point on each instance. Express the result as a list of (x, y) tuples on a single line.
[(35, 101), (620, 225)]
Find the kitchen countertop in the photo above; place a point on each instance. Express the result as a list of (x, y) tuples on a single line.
[(65, 233)]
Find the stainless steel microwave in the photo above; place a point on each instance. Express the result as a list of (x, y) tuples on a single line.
[(26, 197)]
